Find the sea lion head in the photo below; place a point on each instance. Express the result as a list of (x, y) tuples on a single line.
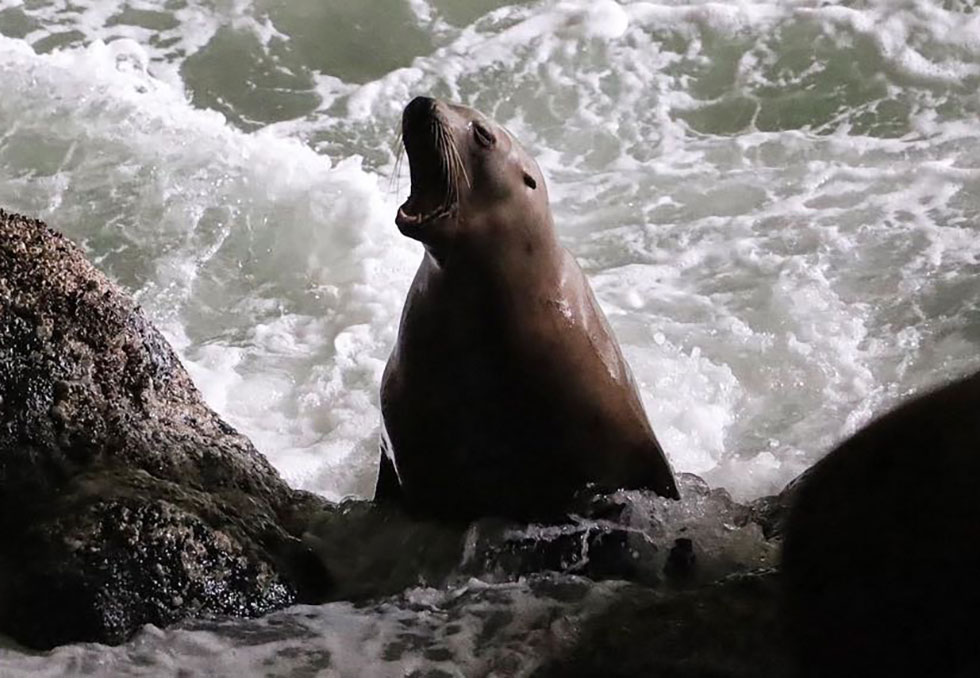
[(470, 178)]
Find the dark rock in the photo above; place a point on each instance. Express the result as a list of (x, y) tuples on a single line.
[(730, 629), (681, 560), (616, 553), (374, 550), (770, 512), (882, 547), (124, 500), (595, 551), (631, 535)]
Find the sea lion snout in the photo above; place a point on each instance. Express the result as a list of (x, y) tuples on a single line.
[(419, 132), (419, 107), (435, 167)]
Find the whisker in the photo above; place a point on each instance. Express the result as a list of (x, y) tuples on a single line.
[(459, 170), (394, 180), (455, 160), (443, 144), (442, 169), (460, 165)]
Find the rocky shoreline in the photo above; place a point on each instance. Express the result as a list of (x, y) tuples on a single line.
[(124, 499)]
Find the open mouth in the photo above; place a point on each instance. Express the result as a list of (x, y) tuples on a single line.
[(428, 144), (409, 216)]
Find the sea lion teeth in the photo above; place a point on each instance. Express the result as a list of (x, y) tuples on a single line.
[(404, 217), (408, 219)]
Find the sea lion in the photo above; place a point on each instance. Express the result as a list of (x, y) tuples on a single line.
[(506, 391), (882, 545)]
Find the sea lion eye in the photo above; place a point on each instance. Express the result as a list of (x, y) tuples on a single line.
[(529, 181), (483, 136)]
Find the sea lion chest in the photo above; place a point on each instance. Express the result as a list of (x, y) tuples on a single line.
[(465, 396), (456, 361)]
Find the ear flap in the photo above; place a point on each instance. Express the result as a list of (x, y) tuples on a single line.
[(529, 181)]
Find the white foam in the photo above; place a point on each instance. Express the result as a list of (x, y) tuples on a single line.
[(473, 629), (299, 256)]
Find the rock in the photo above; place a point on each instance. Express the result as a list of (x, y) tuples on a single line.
[(882, 546), (770, 512), (730, 629), (504, 551), (373, 551), (377, 549), (681, 560), (124, 499)]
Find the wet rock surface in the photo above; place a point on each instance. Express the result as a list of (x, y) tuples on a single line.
[(373, 550), (630, 585), (729, 629), (124, 499), (882, 545)]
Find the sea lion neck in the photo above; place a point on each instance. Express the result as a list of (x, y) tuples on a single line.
[(522, 256)]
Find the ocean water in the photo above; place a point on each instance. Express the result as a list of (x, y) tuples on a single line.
[(776, 204)]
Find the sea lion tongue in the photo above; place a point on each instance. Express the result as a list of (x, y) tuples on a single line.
[(425, 138)]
